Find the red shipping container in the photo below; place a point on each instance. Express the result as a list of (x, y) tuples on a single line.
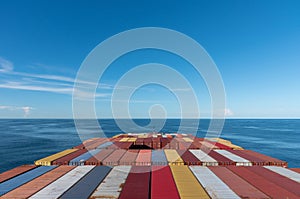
[(99, 157), (66, 159), (114, 157), (188, 158), (143, 158), (252, 158), (14, 172), (241, 187), (162, 183), (270, 160), (97, 143), (137, 184), (278, 179), (129, 157), (269, 188), (38, 183), (222, 161)]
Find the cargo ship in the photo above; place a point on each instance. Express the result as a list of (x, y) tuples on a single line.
[(153, 166)]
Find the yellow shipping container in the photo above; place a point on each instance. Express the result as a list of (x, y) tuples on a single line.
[(131, 140), (187, 139), (227, 143), (173, 157), (186, 183), (47, 160), (124, 140)]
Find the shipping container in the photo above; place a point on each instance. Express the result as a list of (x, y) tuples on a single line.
[(48, 160), (38, 183), (129, 157), (207, 145), (186, 183), (124, 139), (285, 172), (204, 158), (173, 157), (186, 139), (188, 158), (215, 187), (222, 160), (143, 158), (131, 140), (112, 184), (15, 172), (86, 143), (267, 187), (95, 145), (66, 159), (80, 160), (227, 143), (239, 161), (270, 160), (162, 183), (98, 158), (237, 184), (158, 157), (105, 145), (253, 159), (60, 186), (137, 185), (278, 179), (114, 157), (19, 180), (87, 184), (223, 146)]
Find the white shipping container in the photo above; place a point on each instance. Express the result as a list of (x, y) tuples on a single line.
[(239, 161), (285, 172), (112, 184), (204, 157), (215, 187), (58, 187)]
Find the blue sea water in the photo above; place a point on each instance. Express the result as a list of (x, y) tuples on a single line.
[(26, 140)]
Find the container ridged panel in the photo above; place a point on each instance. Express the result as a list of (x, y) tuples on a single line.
[(47, 160), (86, 185), (162, 183), (173, 157), (158, 157), (285, 172), (82, 158), (204, 157), (58, 187), (23, 178), (269, 188), (14, 172), (112, 184), (137, 185), (278, 179), (186, 183), (215, 187), (237, 184), (38, 183), (237, 159)]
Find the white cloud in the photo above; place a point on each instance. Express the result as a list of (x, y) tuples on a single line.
[(228, 112), (5, 65), (25, 109)]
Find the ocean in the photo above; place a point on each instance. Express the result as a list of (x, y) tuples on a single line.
[(25, 140)]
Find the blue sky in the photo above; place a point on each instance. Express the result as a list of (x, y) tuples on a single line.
[(255, 45)]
